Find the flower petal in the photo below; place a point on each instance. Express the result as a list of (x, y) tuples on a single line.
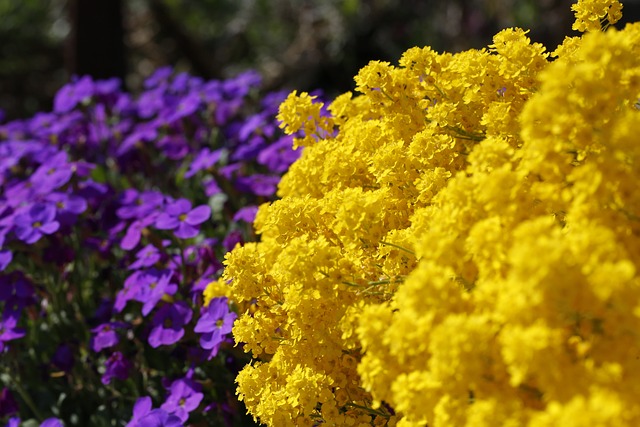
[(50, 227), (185, 231), (198, 215), (166, 222)]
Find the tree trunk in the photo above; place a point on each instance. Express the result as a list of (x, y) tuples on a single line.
[(96, 45)]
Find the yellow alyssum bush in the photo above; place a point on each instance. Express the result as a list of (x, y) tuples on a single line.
[(458, 245)]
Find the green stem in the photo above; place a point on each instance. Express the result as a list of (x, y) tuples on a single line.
[(27, 399), (398, 247), (384, 282), (77, 275), (183, 266), (367, 409), (355, 285), (387, 95), (463, 134)]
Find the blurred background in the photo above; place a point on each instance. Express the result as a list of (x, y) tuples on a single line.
[(301, 44)]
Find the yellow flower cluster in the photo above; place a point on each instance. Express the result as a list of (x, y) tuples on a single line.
[(458, 246), (594, 15)]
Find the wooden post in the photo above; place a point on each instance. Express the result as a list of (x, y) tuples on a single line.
[(96, 43)]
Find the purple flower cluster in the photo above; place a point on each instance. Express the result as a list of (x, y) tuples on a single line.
[(115, 212)]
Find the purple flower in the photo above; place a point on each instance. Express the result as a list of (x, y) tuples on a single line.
[(152, 285), (16, 291), (207, 254), (9, 330), (20, 193), (82, 169), (40, 124), (90, 189), (105, 335), (134, 233), (200, 285), (63, 358), (211, 187), (253, 124), (271, 101), (159, 418), (216, 322), (7, 161), (258, 184), (247, 213), (141, 408), (139, 205), (212, 91), (204, 160), (183, 82), (143, 133), (241, 84), (98, 128), (128, 293), (186, 107), (147, 287), (230, 171), (159, 76), (4, 229), (168, 324), (103, 313), (232, 239), (150, 103), (64, 129), (180, 217), (52, 174), (116, 366), (279, 155), (67, 205), (175, 147), (5, 258), (37, 220), (13, 422), (146, 257), (8, 404), (249, 149), (184, 397), (108, 86), (72, 94), (52, 422)]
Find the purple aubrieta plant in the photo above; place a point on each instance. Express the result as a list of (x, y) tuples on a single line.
[(115, 212), (35, 221), (8, 403), (106, 335), (116, 366), (184, 397), (147, 286), (215, 324), (179, 217), (167, 325), (145, 416), (9, 330)]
